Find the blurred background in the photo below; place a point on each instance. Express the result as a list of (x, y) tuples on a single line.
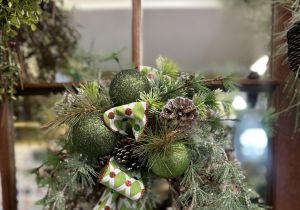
[(204, 36)]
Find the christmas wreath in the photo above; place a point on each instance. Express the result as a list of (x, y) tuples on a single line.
[(154, 139)]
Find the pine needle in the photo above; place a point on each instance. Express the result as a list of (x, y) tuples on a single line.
[(167, 67)]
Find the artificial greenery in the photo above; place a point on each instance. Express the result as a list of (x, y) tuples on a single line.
[(212, 180)]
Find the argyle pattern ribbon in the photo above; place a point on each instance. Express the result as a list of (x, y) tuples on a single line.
[(123, 191), (125, 184)]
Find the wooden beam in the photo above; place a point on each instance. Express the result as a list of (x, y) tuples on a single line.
[(7, 157), (44, 88), (47, 88), (285, 169), (137, 33)]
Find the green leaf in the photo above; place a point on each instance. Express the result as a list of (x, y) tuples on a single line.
[(33, 27)]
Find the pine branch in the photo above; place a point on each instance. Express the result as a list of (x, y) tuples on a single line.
[(75, 174), (90, 98), (167, 67)]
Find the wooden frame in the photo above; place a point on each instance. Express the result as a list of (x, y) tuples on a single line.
[(285, 168), (286, 162)]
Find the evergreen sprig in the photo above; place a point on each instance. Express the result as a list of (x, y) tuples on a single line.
[(167, 67)]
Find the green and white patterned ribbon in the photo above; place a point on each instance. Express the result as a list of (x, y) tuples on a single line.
[(122, 119), (108, 200), (127, 204), (125, 184), (149, 72)]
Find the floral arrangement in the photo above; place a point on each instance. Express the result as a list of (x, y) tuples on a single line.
[(154, 139)]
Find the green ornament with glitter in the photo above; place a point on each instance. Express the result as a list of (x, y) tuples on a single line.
[(91, 137), (172, 163), (127, 85)]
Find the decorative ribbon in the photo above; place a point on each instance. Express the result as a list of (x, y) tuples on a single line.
[(123, 189), (108, 200), (149, 72), (127, 117)]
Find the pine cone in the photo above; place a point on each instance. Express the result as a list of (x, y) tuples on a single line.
[(293, 41), (180, 113), (187, 79), (103, 160), (123, 154)]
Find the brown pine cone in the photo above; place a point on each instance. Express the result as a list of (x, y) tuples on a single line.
[(181, 113), (123, 154)]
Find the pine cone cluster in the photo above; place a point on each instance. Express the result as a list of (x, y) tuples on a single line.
[(180, 113), (293, 41), (123, 154)]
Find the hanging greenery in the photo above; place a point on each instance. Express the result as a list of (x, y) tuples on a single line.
[(51, 45), (16, 13), (36, 32), (8, 71)]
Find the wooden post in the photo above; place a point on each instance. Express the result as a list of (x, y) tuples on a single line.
[(285, 151), (136, 41), (7, 163)]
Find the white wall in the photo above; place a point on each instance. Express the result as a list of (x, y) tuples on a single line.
[(205, 39)]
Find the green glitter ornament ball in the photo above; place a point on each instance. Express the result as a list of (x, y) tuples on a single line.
[(127, 85), (91, 137), (173, 163)]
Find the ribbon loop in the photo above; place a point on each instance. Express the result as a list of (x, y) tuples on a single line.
[(127, 118)]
